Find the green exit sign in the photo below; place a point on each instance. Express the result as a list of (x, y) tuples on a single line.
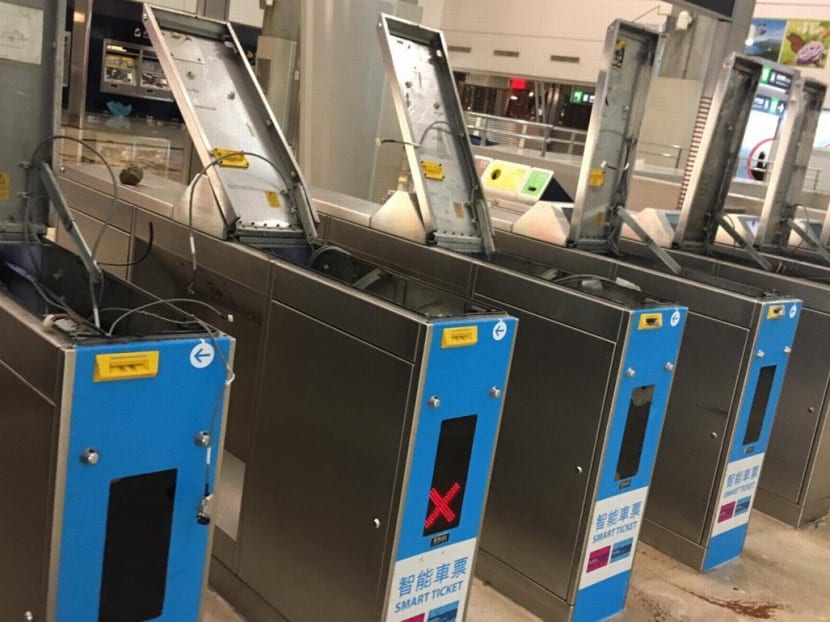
[(577, 97)]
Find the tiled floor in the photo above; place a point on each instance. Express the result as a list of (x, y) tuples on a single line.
[(784, 576)]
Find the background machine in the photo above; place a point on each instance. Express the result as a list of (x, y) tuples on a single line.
[(771, 251), (593, 364), (360, 449), (114, 401), (724, 399)]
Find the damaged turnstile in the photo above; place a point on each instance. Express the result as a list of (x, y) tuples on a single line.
[(795, 483), (113, 401), (723, 404), (593, 363), (361, 436)]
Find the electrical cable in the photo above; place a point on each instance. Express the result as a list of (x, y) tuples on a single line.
[(325, 249), (585, 277), (154, 303), (107, 221), (192, 191), (146, 254)]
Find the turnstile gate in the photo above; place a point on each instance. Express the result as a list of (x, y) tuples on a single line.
[(360, 448)]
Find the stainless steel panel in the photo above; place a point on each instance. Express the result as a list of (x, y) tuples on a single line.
[(99, 205), (28, 438), (114, 248), (292, 536), (698, 422), (551, 426), (801, 413)]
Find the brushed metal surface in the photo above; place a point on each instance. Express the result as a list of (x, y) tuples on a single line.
[(28, 439), (292, 536), (552, 424), (114, 248), (702, 404)]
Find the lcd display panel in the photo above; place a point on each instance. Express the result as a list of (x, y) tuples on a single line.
[(137, 546), (449, 479), (634, 436), (760, 402)]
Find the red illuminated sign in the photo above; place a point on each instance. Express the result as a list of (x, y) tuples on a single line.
[(442, 505), (518, 84)]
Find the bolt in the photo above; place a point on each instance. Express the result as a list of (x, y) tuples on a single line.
[(495, 393), (202, 439), (579, 470), (669, 367), (434, 401), (630, 373), (761, 354), (232, 95), (787, 350), (90, 456), (714, 435), (28, 616), (376, 523), (811, 409)]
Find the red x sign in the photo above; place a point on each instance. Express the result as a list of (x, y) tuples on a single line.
[(442, 505)]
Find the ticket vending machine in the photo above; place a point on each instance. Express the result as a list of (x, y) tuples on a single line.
[(359, 454), (593, 365), (725, 397), (112, 423), (794, 486)]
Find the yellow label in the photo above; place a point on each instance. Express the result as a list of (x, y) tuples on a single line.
[(650, 321), (126, 366), (459, 337), (237, 160), (433, 170), (776, 312), (597, 178), (459, 209), (273, 199), (5, 186)]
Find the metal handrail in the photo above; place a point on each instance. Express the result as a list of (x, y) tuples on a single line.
[(813, 174)]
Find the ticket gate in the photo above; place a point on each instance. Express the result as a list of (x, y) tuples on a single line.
[(360, 447), (722, 409), (794, 485), (614, 366), (114, 401)]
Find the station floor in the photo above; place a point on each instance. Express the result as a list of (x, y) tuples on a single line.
[(784, 576)]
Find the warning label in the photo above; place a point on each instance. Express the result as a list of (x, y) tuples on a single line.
[(5, 186)]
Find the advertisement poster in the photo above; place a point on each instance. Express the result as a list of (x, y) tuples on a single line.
[(768, 38), (795, 42)]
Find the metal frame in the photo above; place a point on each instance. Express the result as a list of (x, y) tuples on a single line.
[(453, 211), (255, 125), (717, 158), (792, 158), (611, 144)]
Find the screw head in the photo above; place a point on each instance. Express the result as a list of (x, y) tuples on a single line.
[(376, 523), (202, 439), (761, 354), (788, 350), (90, 456), (495, 393), (434, 401), (630, 373), (579, 470), (714, 435), (669, 367)]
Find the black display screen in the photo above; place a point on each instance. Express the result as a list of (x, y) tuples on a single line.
[(721, 7), (759, 405), (139, 522), (634, 436), (449, 479)]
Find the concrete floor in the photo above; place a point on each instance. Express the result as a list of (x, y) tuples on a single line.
[(784, 575)]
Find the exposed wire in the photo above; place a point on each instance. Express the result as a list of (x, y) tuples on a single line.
[(192, 190), (154, 303), (140, 259)]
